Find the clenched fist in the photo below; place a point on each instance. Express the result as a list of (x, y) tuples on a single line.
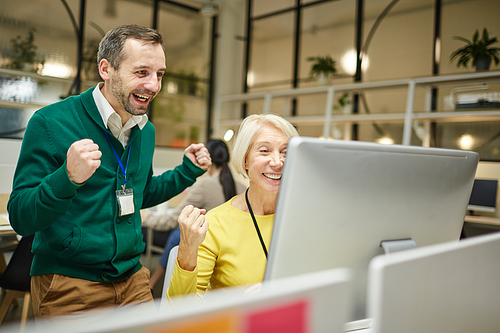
[(199, 155), (193, 231), (83, 159)]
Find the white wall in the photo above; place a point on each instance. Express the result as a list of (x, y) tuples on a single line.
[(10, 151), (167, 158)]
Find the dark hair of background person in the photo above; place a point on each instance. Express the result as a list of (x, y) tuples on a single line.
[(220, 158)]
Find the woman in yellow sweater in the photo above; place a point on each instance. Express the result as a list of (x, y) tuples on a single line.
[(228, 246)]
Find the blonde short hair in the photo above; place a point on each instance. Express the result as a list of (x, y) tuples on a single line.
[(249, 128)]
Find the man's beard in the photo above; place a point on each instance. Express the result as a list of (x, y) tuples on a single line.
[(124, 100)]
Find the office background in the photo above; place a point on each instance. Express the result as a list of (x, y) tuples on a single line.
[(226, 47), (255, 46)]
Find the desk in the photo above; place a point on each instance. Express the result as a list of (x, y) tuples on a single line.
[(8, 239), (483, 220), (480, 225), (5, 227)]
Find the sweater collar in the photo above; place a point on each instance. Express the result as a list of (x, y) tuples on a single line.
[(88, 101), (106, 110)]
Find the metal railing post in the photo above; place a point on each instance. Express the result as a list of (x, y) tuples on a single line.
[(409, 113), (267, 103), (328, 112)]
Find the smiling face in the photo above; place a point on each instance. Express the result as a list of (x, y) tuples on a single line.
[(265, 159), (132, 87)]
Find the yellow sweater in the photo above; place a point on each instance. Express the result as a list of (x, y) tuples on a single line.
[(230, 255)]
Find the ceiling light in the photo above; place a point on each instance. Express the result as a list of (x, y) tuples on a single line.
[(228, 135), (466, 141), (56, 70), (348, 62), (250, 79), (172, 87), (209, 9), (386, 140)]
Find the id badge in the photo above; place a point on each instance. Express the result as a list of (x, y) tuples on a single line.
[(125, 200)]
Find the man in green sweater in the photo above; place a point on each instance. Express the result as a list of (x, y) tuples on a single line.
[(85, 172)]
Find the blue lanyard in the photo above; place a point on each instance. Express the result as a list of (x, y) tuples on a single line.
[(124, 170)]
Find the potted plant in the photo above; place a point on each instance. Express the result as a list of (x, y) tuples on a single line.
[(344, 103), (24, 52), (479, 50), (321, 68)]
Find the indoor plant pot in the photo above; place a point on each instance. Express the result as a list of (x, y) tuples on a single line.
[(479, 50), (321, 69), (24, 52)]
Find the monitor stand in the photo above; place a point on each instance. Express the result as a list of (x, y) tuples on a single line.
[(389, 246), (395, 245)]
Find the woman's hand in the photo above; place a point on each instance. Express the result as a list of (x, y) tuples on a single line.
[(193, 231)]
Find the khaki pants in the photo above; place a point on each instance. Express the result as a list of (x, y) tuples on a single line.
[(54, 294)]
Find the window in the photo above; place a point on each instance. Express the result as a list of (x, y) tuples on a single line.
[(49, 72)]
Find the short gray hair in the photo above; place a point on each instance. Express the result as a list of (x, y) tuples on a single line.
[(111, 46), (249, 128)]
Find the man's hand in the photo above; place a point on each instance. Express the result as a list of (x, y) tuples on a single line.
[(199, 155), (83, 159), (193, 231)]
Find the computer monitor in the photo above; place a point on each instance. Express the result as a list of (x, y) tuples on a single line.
[(483, 197), (339, 199), (449, 287), (293, 304)]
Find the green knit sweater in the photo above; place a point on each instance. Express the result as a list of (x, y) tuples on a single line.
[(78, 232)]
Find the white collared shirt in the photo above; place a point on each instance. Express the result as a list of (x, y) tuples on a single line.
[(113, 121)]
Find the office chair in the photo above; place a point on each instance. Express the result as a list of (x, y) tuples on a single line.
[(155, 241), (7, 243), (169, 271), (16, 279)]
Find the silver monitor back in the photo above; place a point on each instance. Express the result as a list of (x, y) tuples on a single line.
[(339, 199), (450, 287)]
